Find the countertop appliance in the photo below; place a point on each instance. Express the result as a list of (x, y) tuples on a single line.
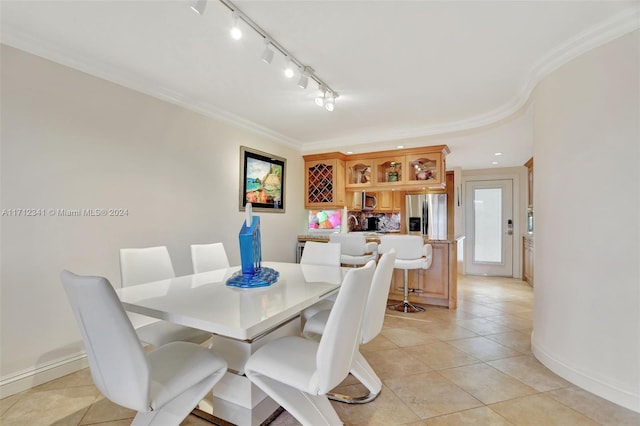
[(427, 215), (369, 201), (372, 223)]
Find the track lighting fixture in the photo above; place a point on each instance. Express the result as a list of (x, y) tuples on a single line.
[(326, 100), (304, 77), (198, 6), (267, 55), (236, 32)]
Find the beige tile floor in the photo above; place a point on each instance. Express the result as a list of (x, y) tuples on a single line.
[(470, 366)]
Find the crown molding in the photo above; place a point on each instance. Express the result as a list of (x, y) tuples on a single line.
[(604, 32), (596, 36), (21, 41)]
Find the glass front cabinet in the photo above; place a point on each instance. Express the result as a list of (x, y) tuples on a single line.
[(359, 173), (389, 171), (426, 169)]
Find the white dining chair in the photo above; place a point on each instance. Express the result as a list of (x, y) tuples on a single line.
[(411, 253), (163, 385), (354, 248), (315, 253), (144, 265), (208, 257), (297, 372), (371, 327)]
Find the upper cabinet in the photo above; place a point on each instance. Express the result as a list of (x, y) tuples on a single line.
[(529, 166), (329, 176), (359, 173), (324, 181), (408, 169), (389, 171), (426, 169)]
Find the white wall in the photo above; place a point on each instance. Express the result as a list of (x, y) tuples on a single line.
[(72, 141), (587, 231)]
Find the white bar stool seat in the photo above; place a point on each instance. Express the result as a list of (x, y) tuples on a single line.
[(411, 253), (354, 249)]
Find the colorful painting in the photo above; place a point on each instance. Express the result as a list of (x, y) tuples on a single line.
[(262, 180)]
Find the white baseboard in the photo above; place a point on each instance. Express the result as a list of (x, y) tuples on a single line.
[(38, 375), (587, 382)]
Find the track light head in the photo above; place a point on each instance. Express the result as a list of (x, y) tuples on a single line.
[(303, 81), (321, 98), (198, 6), (236, 32), (304, 78), (267, 55), (330, 101)]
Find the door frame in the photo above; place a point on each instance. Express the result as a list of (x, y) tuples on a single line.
[(503, 268), (519, 177)]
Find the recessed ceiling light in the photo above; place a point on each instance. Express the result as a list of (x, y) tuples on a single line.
[(497, 153), (349, 152), (494, 162), (400, 146)]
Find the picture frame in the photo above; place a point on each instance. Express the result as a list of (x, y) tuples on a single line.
[(262, 181)]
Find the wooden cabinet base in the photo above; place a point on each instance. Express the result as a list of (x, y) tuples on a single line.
[(437, 285)]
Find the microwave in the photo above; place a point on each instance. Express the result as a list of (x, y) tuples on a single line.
[(369, 201)]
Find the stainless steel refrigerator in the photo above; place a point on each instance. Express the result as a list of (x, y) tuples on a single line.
[(427, 214)]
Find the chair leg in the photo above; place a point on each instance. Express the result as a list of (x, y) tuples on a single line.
[(406, 306), (362, 371), (308, 409)]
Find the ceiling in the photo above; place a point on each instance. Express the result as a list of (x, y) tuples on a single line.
[(416, 71)]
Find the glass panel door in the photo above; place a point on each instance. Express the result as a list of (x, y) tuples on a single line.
[(487, 203), (489, 223)]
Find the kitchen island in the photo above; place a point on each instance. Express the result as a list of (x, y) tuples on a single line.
[(437, 285)]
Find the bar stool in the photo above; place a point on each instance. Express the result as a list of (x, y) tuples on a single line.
[(411, 253), (354, 249)]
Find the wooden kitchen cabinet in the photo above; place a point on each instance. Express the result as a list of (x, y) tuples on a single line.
[(410, 169), (389, 171), (390, 201), (324, 181), (426, 169), (434, 286), (354, 200), (529, 166), (359, 174)]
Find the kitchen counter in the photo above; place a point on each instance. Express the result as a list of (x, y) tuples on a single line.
[(370, 236), (437, 285)]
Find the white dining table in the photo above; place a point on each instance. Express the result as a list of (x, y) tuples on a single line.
[(240, 320)]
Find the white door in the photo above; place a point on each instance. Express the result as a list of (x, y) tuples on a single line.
[(489, 224)]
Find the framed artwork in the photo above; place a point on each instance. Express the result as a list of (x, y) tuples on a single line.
[(262, 178)]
